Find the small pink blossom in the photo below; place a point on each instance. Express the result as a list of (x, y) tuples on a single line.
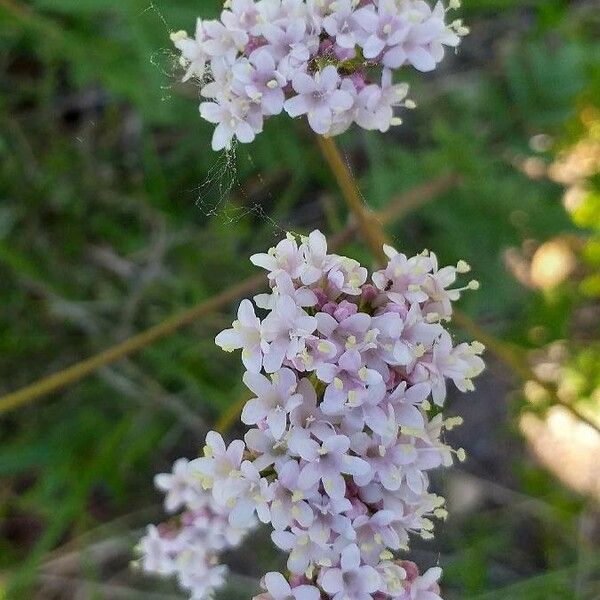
[(279, 589), (274, 400), (319, 97), (245, 334), (350, 579), (313, 58), (342, 441)]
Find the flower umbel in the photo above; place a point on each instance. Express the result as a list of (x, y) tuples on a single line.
[(342, 434), (332, 61)]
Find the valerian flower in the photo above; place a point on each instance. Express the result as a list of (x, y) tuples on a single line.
[(278, 588), (327, 465), (343, 374), (245, 334), (176, 485), (331, 61), (274, 400), (350, 579), (319, 97)]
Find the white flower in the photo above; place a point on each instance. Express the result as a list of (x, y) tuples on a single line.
[(303, 552), (245, 334), (246, 495), (327, 49), (339, 457), (350, 579), (224, 41), (376, 103), (319, 97), (235, 118), (328, 464), (403, 278), (304, 297), (346, 277), (268, 450), (181, 487), (198, 575), (290, 504), (156, 552), (219, 463), (193, 53), (317, 261), (424, 587), (461, 364), (344, 24), (280, 589), (423, 43), (285, 331), (257, 78), (285, 258), (274, 400)]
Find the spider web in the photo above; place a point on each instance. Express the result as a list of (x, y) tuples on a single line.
[(214, 194)]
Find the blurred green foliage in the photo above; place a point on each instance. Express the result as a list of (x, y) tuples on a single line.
[(114, 215)]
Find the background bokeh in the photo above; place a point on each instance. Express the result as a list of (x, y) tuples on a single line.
[(115, 214)]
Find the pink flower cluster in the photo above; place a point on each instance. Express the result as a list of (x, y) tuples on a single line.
[(331, 60), (343, 432)]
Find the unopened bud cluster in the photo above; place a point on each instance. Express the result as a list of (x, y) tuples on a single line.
[(331, 60), (348, 378)]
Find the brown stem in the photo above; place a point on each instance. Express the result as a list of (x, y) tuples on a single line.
[(370, 227), (374, 234), (396, 208), (71, 375), (129, 346), (231, 414)]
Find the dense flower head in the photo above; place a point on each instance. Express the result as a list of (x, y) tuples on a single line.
[(341, 369), (331, 60)]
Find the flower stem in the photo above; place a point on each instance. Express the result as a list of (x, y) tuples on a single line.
[(370, 227), (71, 375), (133, 344), (230, 415), (374, 234)]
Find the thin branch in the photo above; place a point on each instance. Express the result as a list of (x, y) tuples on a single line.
[(108, 590), (374, 234), (98, 535), (398, 207), (149, 390), (368, 223), (133, 344), (136, 343), (229, 416)]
